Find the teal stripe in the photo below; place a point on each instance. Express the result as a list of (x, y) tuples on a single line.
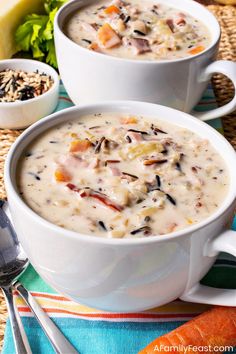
[(95, 337), (32, 281)]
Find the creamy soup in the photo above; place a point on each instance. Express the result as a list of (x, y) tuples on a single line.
[(137, 29), (116, 175)]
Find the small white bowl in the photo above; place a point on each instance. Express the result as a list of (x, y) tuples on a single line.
[(20, 114)]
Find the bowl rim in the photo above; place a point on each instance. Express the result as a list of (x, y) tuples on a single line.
[(49, 70), (115, 105), (77, 4)]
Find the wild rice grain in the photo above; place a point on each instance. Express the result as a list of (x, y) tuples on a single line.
[(18, 85)]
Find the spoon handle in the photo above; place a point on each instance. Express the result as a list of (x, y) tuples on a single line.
[(59, 342), (20, 340)]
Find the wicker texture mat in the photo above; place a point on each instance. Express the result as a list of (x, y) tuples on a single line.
[(224, 91), (223, 87)]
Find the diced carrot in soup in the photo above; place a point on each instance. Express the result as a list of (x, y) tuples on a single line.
[(196, 50), (61, 175), (79, 145), (95, 47), (110, 10), (129, 120), (108, 37)]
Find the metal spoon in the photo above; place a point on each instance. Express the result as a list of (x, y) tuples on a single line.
[(60, 344), (12, 265)]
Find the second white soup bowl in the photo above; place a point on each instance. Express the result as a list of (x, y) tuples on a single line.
[(126, 275), (179, 83)]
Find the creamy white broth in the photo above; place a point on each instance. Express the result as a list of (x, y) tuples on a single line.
[(137, 29), (136, 176)]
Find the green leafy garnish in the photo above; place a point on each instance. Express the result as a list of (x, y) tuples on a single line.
[(35, 34)]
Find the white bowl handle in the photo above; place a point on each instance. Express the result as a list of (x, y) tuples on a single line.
[(227, 68), (226, 242)]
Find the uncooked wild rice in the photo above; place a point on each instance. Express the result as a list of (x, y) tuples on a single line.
[(19, 85)]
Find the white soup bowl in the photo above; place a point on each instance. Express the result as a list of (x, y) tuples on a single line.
[(126, 275), (90, 76)]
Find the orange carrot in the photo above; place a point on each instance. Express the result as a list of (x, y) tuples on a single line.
[(129, 120), (214, 328), (79, 145), (110, 10), (61, 175), (196, 50), (95, 47), (107, 36)]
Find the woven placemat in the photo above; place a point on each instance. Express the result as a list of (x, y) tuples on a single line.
[(224, 91), (223, 87)]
